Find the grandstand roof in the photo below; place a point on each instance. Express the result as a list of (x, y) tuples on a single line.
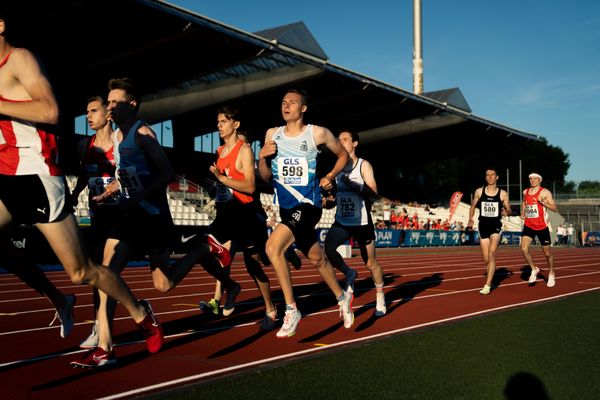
[(188, 65)]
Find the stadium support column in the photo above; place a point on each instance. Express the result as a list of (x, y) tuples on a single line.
[(417, 49)]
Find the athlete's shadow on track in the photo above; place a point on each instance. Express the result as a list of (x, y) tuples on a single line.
[(360, 288), (526, 273), (500, 275), (405, 293), (122, 361)]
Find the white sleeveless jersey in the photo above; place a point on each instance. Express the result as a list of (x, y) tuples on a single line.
[(294, 169), (352, 209)]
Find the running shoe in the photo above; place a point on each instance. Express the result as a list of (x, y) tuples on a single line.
[(212, 307), (346, 309), (380, 307), (350, 278), (533, 276), (65, 316), (95, 358), (217, 249), (290, 323), (230, 296), (268, 322), (551, 280), (486, 290), (91, 342), (152, 330)]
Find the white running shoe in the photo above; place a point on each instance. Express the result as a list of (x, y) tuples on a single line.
[(486, 290), (551, 280), (380, 308), (346, 309), (290, 323), (65, 316), (91, 342), (533, 276)]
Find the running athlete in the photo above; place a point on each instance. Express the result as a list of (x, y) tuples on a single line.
[(355, 186), (536, 200), (238, 219), (492, 203), (97, 170), (32, 187), (289, 157), (259, 223), (143, 172)]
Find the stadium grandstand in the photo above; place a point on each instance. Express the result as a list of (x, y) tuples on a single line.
[(188, 66)]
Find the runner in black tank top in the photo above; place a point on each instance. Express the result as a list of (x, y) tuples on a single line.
[(492, 203)]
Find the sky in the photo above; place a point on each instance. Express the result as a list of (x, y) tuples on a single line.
[(533, 65)]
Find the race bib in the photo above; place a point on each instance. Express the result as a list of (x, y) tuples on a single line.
[(223, 193), (130, 180), (293, 170), (348, 208), (490, 209), (531, 211), (97, 185)]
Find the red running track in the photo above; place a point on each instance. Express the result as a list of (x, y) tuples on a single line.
[(424, 287)]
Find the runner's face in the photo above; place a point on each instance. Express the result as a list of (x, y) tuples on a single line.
[(119, 108), (534, 181), (97, 115), (292, 107), (226, 126), (490, 177), (345, 140)]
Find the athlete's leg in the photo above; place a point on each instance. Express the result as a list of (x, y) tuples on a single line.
[(525, 245), (367, 252), (317, 257), (116, 255), (336, 236), (492, 247), (281, 238), (261, 279), (65, 239), (549, 257)]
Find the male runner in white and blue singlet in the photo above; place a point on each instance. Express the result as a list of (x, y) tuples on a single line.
[(289, 157)]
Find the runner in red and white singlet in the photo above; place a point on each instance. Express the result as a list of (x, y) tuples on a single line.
[(536, 200)]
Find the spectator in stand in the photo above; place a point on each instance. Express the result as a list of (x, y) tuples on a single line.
[(561, 234), (427, 224), (570, 235)]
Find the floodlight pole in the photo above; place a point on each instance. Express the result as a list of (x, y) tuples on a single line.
[(417, 49)]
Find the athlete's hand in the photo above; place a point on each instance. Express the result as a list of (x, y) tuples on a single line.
[(111, 189), (268, 150), (215, 171), (326, 182)]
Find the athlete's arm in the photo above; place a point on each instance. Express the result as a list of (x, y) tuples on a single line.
[(268, 150), (82, 178), (145, 138), (523, 205), (547, 201), (30, 84), (505, 202), (324, 136), (476, 197), (370, 187)]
